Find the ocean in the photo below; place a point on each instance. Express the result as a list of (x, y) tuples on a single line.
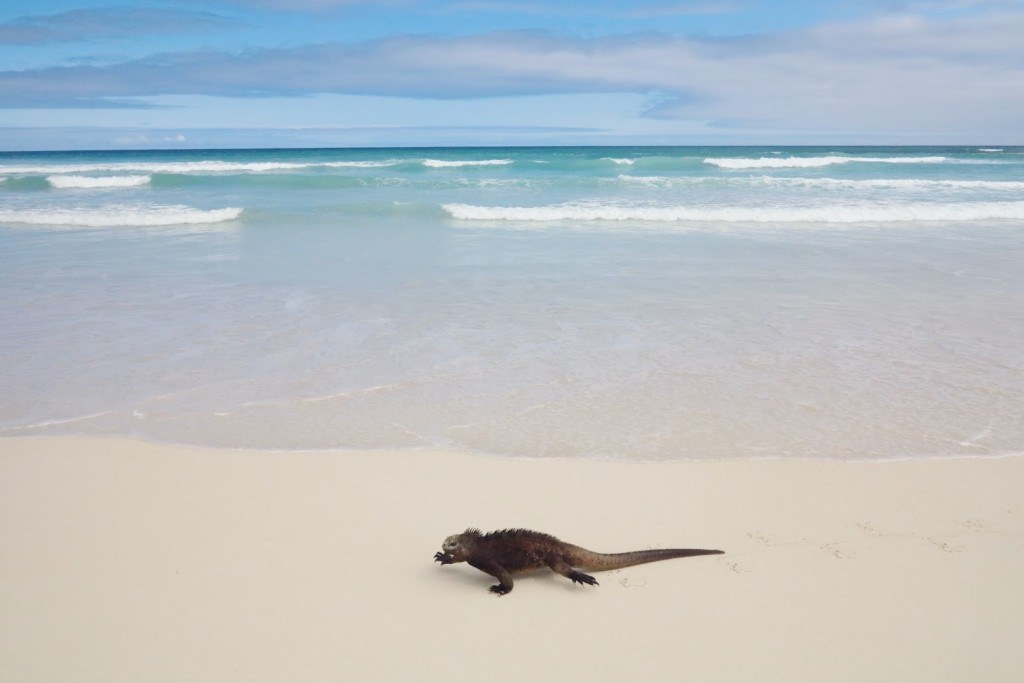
[(615, 303)]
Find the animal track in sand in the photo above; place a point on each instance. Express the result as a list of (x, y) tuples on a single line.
[(839, 553), (870, 529), (626, 582), (945, 547), (872, 534)]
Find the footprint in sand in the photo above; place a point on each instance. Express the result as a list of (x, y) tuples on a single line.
[(761, 538), (945, 547), (626, 582), (869, 529), (838, 552)]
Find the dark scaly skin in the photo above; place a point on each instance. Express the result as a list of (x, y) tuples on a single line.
[(502, 553)]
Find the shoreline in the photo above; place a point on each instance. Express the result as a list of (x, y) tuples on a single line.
[(126, 560), (471, 453)]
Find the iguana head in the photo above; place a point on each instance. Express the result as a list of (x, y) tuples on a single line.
[(459, 546)]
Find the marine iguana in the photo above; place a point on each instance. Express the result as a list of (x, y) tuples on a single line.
[(499, 553)]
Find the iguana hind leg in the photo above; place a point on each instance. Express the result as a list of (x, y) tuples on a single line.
[(560, 566)]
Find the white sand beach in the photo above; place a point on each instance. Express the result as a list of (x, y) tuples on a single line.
[(128, 561)]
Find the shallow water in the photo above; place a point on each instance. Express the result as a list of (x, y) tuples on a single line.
[(640, 303)]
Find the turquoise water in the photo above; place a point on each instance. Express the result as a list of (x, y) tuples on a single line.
[(634, 303)]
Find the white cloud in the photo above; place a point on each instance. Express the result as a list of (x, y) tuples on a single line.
[(669, 9), (310, 5), (898, 73), (104, 22)]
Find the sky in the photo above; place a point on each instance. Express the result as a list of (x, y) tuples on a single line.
[(134, 74)]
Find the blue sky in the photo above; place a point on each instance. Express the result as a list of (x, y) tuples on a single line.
[(98, 74)]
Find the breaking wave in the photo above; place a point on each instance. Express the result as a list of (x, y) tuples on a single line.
[(866, 213), (357, 164), (186, 167), (829, 183), (120, 216), (814, 162), (90, 182), (442, 163)]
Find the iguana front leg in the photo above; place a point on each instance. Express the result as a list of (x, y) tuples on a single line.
[(497, 571)]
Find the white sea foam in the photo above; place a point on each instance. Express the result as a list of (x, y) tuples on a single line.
[(186, 167), (828, 183), (89, 182), (850, 213), (670, 181), (903, 160), (895, 183), (358, 164), (442, 163), (814, 162), (118, 216), (991, 149), (209, 166), (621, 162)]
